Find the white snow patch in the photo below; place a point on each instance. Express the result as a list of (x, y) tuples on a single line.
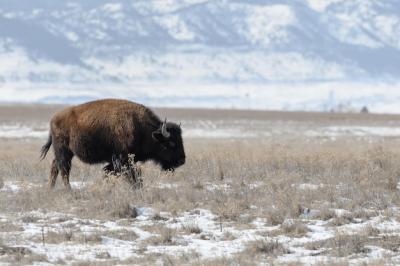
[(235, 129), (210, 245), (167, 185), (164, 6), (267, 24), (333, 131), (21, 131), (78, 184), (176, 27), (16, 186), (144, 213), (10, 186), (72, 36), (112, 7), (321, 5), (307, 186), (212, 186), (217, 133)]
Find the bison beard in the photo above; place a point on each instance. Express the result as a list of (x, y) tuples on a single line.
[(108, 131)]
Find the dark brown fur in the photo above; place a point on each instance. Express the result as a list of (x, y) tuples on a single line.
[(107, 131)]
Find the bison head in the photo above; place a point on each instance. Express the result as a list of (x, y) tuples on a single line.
[(170, 153)]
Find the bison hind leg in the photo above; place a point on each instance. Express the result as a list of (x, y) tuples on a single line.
[(62, 163), (65, 170), (53, 174)]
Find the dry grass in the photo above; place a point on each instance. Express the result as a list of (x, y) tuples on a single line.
[(165, 236), (20, 255), (267, 248), (294, 228), (51, 237), (191, 228), (237, 180), (363, 176), (342, 245), (10, 227)]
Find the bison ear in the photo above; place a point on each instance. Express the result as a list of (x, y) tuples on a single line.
[(157, 135)]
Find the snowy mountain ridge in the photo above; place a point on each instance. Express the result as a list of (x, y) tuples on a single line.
[(157, 48)]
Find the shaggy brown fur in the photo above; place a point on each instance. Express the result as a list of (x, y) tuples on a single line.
[(107, 131)]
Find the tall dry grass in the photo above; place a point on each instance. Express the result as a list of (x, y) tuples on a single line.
[(261, 178), (280, 180)]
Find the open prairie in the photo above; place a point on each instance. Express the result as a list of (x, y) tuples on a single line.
[(257, 188)]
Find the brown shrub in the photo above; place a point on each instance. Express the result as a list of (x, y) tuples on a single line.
[(294, 228), (267, 247)]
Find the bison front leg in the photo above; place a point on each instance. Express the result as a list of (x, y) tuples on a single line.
[(133, 174), (109, 168), (124, 167), (114, 167)]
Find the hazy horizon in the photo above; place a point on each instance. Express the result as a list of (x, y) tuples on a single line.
[(312, 55)]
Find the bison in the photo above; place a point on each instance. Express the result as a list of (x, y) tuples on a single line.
[(108, 131)]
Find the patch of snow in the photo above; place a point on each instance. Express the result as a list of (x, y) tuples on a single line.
[(21, 131), (387, 225), (261, 222), (267, 24), (167, 185), (10, 186), (177, 28), (341, 212), (319, 231), (307, 186), (212, 186), (16, 186), (210, 243), (144, 213), (112, 7), (78, 184), (212, 246), (164, 6), (72, 36), (321, 5), (333, 131), (217, 133)]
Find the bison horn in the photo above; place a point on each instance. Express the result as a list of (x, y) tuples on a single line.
[(164, 130)]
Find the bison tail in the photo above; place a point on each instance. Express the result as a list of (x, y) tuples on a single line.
[(45, 148)]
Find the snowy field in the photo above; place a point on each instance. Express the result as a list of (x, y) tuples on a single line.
[(32, 122), (257, 188), (379, 97), (240, 129)]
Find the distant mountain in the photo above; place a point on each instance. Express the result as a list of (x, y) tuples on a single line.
[(51, 45)]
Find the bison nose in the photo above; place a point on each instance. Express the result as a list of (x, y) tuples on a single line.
[(182, 161)]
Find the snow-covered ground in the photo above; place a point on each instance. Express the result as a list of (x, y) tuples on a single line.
[(283, 191), (66, 238), (378, 97), (235, 129)]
